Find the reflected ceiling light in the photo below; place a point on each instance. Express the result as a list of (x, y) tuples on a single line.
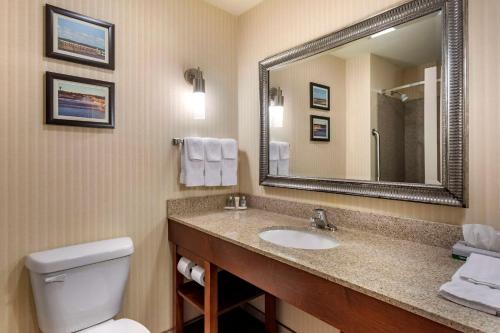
[(383, 32), (194, 76), (276, 109)]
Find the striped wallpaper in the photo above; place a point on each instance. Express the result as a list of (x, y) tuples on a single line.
[(62, 185)]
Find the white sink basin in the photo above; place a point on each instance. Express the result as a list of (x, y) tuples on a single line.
[(299, 239)]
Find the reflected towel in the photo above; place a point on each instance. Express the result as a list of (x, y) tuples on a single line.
[(284, 148), (284, 160), (284, 167), (274, 151)]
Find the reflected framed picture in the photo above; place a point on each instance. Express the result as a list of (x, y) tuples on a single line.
[(78, 38), (319, 96), (320, 128), (77, 101)]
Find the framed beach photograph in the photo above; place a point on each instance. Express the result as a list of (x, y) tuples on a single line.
[(77, 101), (320, 128), (78, 38), (319, 96)]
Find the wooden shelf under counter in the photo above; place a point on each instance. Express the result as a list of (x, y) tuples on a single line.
[(222, 294), (236, 320), (232, 292)]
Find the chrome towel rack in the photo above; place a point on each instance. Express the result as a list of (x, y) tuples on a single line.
[(177, 141)]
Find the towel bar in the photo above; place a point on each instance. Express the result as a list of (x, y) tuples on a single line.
[(177, 141)]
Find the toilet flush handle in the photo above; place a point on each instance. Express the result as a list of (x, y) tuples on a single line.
[(56, 278)]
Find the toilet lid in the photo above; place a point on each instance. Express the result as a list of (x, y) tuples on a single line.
[(117, 326)]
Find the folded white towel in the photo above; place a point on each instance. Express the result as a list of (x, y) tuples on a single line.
[(273, 167), (213, 149), (471, 295), (284, 167), (229, 162), (284, 148), (274, 151), (213, 161), (284, 160), (482, 269), (229, 149), (194, 148), (192, 163)]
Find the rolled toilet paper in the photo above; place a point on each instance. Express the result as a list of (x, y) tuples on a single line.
[(198, 275), (184, 266)]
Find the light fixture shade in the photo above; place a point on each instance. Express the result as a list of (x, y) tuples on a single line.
[(199, 82), (276, 116), (199, 105), (276, 109), (194, 76)]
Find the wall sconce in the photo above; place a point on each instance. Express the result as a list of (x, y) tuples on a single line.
[(276, 103), (194, 76)]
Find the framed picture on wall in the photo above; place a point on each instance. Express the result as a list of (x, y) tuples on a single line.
[(77, 101), (320, 128), (319, 96), (78, 38)]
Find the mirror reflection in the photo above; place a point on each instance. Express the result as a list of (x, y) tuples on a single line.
[(367, 110)]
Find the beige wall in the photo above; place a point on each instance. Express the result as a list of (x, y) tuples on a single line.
[(291, 22), (62, 185), (358, 118), (312, 158)]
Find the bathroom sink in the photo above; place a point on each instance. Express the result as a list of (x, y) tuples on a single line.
[(299, 239)]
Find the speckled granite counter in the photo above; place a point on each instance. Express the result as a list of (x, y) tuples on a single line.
[(403, 273)]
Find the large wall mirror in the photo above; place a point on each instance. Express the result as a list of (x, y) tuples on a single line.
[(376, 109)]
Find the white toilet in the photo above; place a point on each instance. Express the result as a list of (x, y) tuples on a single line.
[(80, 288)]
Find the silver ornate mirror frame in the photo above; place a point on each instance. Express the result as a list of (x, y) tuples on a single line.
[(453, 190)]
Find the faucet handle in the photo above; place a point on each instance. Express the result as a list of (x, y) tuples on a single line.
[(320, 220), (320, 213)]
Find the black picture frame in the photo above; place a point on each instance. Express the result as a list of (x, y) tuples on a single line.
[(52, 52), (311, 125), (50, 115), (312, 103)]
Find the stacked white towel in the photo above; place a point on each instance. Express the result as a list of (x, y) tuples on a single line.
[(483, 270), (213, 161), (192, 162), (274, 156), (284, 161), (229, 162), (279, 158), (476, 284), (209, 162)]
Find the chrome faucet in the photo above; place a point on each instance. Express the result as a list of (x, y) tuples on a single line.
[(320, 221)]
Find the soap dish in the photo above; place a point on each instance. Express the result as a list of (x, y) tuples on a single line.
[(234, 208)]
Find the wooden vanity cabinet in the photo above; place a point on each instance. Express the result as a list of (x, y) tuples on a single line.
[(342, 307)]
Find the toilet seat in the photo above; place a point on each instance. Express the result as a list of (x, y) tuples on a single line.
[(117, 326)]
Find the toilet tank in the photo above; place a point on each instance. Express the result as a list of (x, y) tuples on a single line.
[(79, 286)]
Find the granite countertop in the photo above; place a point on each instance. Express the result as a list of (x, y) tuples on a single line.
[(403, 273)]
